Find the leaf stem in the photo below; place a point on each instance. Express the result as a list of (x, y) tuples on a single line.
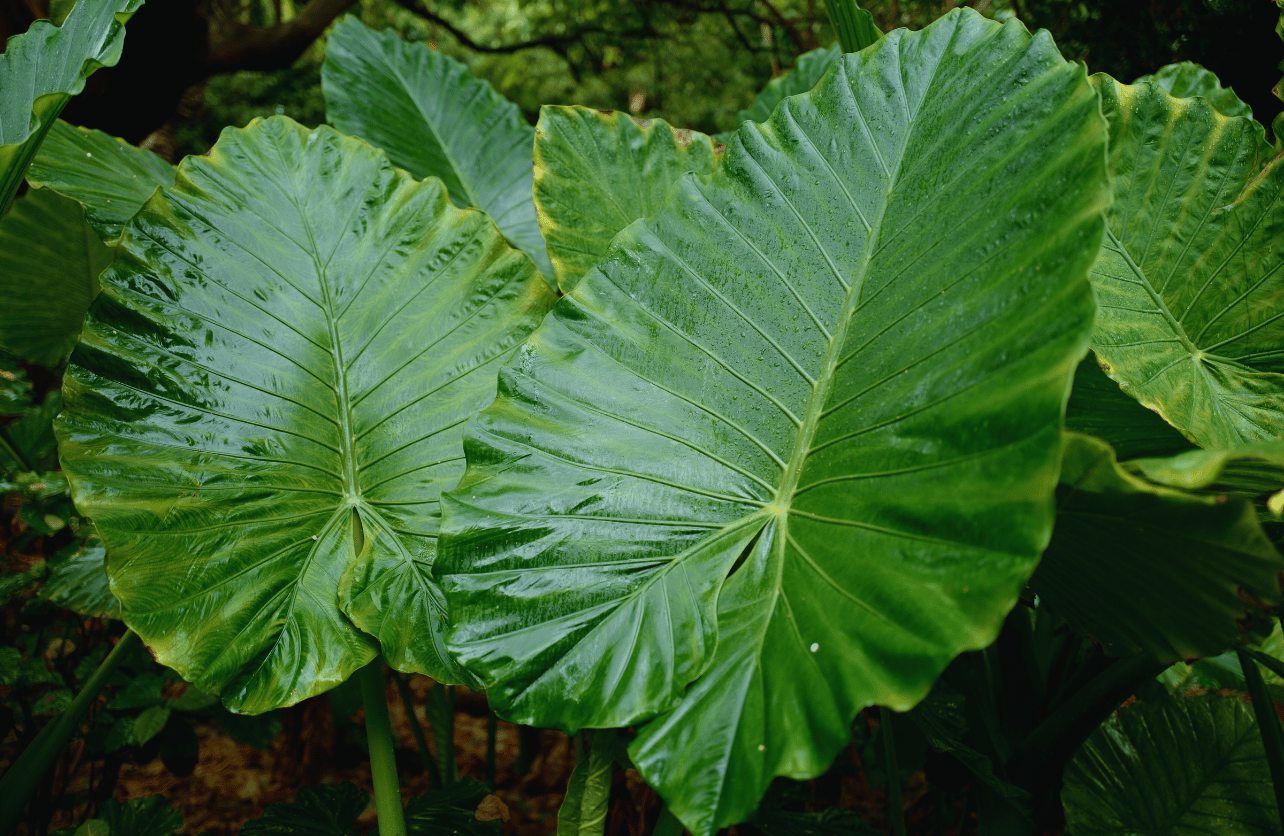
[(407, 700), (27, 773), (895, 809), (383, 764), (1268, 724), (441, 716)]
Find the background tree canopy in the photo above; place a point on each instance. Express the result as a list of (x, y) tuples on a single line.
[(196, 66)]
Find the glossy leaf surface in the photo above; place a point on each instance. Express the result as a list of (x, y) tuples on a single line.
[(109, 177), (49, 265), (1201, 764), (597, 172), (41, 69), (791, 371), (1189, 285), (435, 119), (268, 399), (1186, 79), (1138, 566), (804, 76)]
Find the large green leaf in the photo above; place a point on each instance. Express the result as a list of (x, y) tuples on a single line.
[(837, 368), (1188, 79), (435, 119), (274, 381), (1179, 767), (49, 265), (41, 69), (111, 178), (809, 70), (596, 172), (1144, 567), (1189, 285)]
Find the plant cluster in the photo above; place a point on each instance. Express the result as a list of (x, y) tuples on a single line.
[(950, 383)]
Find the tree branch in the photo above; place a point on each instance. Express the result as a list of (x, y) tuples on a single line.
[(239, 46)]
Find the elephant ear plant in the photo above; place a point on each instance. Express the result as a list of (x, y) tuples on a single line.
[(814, 428), (792, 445)]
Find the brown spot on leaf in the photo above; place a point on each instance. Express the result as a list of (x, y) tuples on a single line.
[(682, 136)]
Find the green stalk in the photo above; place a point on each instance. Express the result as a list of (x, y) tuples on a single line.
[(407, 700), (383, 763), (441, 716), (1268, 724), (30, 769), (492, 731), (895, 809)]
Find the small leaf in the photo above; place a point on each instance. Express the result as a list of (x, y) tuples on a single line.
[(1199, 759), (49, 265), (148, 724), (316, 811), (596, 172), (109, 177), (435, 119), (1141, 566)]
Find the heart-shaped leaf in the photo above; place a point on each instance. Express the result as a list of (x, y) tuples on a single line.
[(41, 69), (1189, 282), (435, 119), (596, 172), (269, 397), (834, 372)]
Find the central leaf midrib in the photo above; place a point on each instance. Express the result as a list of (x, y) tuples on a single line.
[(824, 381), (343, 403)]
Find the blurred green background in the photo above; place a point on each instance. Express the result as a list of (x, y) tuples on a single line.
[(693, 62)]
